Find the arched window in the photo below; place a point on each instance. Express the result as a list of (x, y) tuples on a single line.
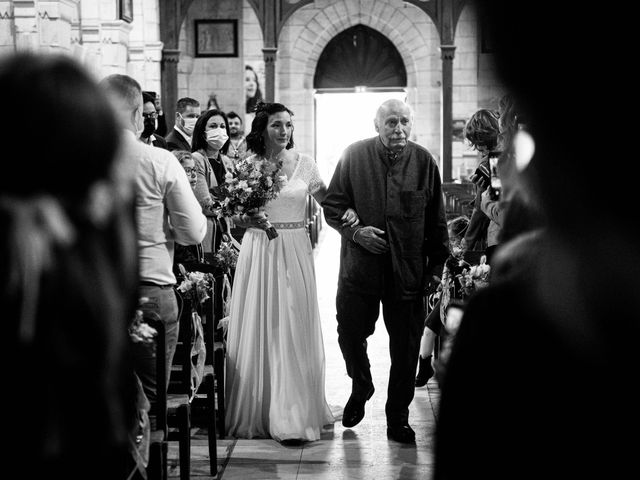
[(360, 56)]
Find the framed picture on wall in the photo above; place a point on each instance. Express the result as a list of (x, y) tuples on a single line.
[(125, 10), (216, 38)]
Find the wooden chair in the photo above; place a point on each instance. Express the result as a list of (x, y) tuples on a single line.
[(157, 465), (207, 404), (170, 410), (179, 393)]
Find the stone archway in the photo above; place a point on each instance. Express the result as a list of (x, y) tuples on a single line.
[(310, 29)]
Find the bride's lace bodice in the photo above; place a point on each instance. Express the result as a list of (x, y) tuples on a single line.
[(292, 200)]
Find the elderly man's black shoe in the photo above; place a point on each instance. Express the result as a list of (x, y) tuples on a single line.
[(401, 433), (354, 410)]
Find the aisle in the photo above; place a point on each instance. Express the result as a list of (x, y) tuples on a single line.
[(359, 453)]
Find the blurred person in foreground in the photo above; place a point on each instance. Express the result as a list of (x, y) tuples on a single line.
[(562, 399), (68, 273)]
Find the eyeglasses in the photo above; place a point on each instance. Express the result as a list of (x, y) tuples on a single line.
[(153, 115)]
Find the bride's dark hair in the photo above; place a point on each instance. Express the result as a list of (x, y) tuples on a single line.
[(255, 140)]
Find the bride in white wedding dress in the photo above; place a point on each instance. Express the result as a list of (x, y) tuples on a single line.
[(275, 353)]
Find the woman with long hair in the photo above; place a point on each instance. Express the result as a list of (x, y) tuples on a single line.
[(252, 89)]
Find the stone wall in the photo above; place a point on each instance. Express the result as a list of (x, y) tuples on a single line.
[(475, 86), (201, 77), (90, 31), (310, 29)]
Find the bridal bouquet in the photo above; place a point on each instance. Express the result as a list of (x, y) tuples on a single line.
[(249, 187)]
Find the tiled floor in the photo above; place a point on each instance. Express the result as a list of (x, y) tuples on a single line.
[(359, 453)]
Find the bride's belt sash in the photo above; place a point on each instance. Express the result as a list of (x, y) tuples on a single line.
[(286, 225)]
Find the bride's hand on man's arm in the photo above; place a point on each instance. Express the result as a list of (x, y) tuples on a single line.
[(350, 218)]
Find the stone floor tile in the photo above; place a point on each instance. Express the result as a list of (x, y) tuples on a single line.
[(362, 452), (261, 471)]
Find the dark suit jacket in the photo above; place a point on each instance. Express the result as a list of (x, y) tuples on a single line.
[(159, 142), (176, 141)]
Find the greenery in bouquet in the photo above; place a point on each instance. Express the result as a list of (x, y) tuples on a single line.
[(195, 287), (227, 256)]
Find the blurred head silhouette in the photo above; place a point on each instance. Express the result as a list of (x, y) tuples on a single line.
[(68, 265)]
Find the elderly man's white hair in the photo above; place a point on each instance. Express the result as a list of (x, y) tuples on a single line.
[(390, 104)]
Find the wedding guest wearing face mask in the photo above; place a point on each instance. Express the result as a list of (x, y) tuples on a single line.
[(210, 144), (187, 113), (150, 117)]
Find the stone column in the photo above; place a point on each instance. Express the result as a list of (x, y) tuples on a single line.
[(26, 34), (169, 80), (114, 37), (447, 54), (7, 41), (269, 72)]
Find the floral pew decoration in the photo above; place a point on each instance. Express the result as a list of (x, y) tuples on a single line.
[(226, 259), (460, 280), (196, 288), (141, 332)]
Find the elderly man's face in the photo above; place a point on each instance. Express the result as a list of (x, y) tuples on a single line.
[(393, 123)]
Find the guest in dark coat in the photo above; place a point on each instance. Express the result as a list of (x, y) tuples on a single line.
[(150, 116), (187, 113)]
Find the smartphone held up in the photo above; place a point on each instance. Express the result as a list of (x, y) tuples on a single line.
[(495, 184)]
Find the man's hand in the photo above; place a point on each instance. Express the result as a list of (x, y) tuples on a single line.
[(350, 218), (368, 238), (486, 195)]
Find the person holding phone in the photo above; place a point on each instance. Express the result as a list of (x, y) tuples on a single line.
[(481, 131)]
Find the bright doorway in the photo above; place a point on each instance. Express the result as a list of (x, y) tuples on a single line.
[(343, 118)]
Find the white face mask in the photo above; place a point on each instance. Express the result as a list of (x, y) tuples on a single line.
[(189, 123), (217, 137)]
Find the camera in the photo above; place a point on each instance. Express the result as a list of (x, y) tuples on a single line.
[(495, 184)]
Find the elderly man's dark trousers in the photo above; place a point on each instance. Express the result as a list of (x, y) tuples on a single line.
[(357, 314)]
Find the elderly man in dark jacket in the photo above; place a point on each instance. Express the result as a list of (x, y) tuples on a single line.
[(393, 256)]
